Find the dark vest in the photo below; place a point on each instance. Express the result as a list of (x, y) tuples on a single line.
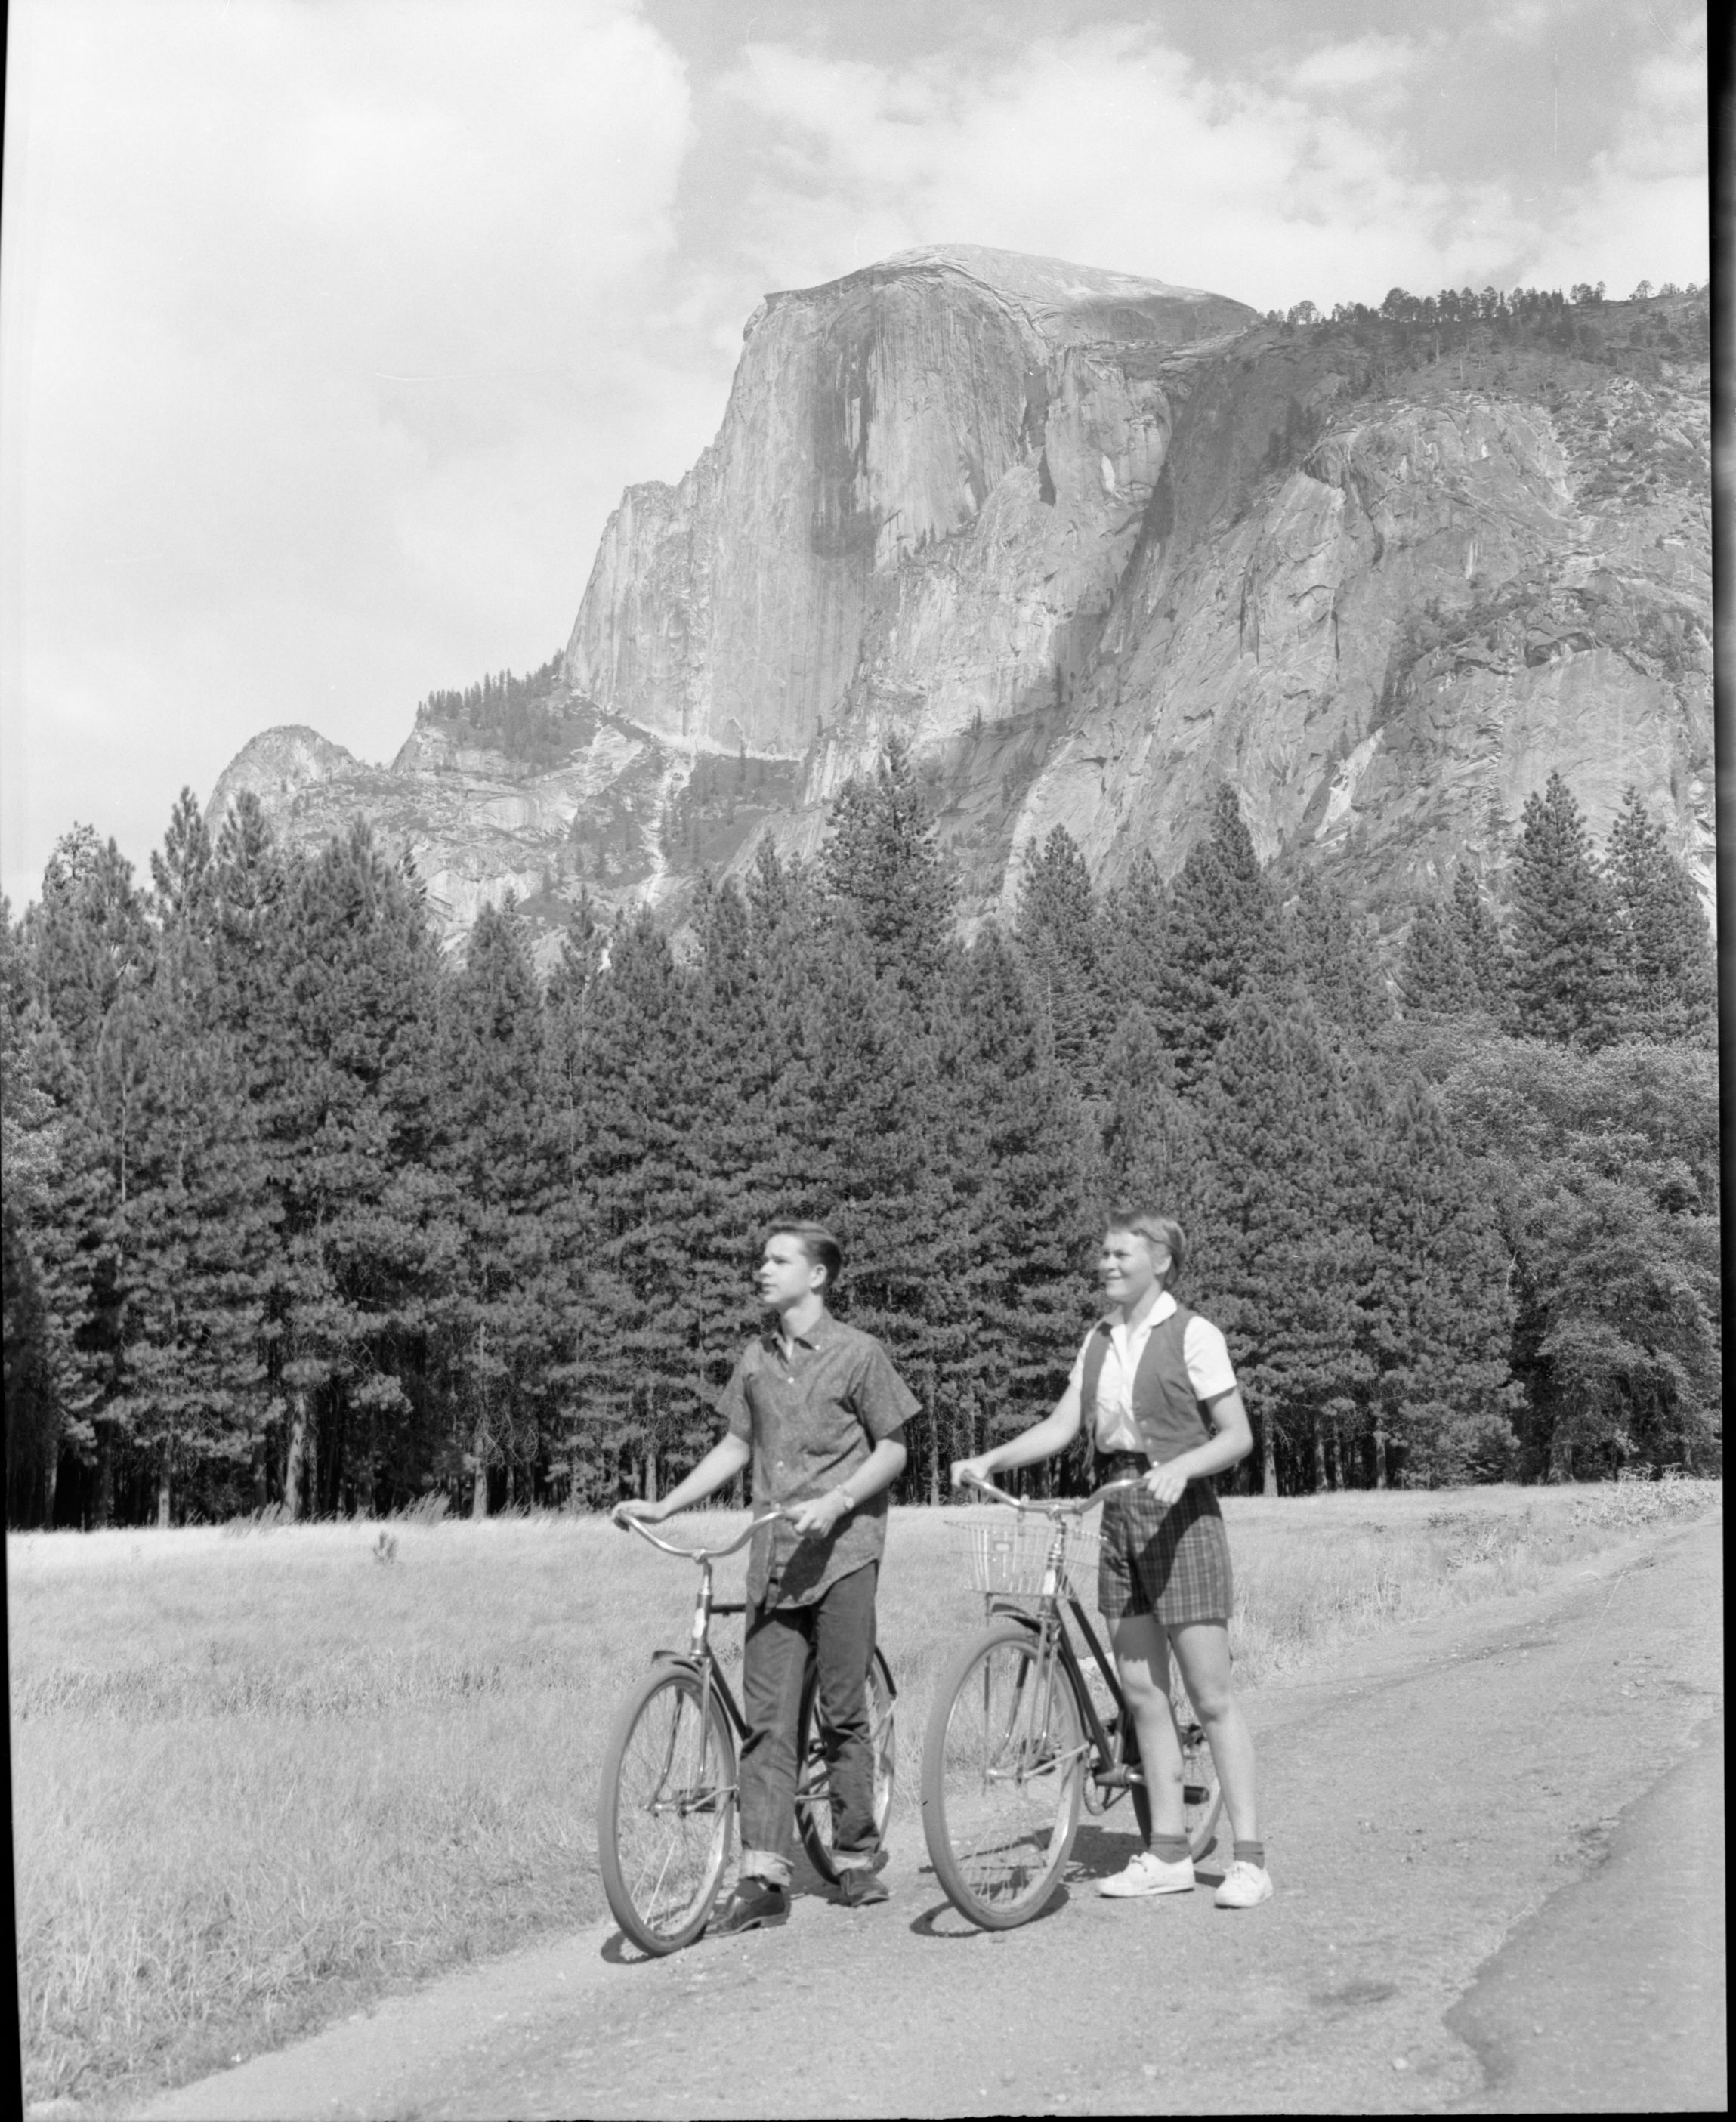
[(1164, 1407)]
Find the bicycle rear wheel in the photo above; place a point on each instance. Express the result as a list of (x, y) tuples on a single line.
[(665, 1808), (1003, 1767), (813, 1785), (1202, 1801)]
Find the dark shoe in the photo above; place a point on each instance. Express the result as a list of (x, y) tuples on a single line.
[(859, 1889), (756, 1904)]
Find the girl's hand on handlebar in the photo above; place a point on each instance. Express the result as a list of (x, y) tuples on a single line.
[(964, 1471), (634, 1508), (1165, 1485)]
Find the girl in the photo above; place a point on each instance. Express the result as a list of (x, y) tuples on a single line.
[(1150, 1375)]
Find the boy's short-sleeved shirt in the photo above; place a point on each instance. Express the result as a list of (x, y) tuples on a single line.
[(812, 1418)]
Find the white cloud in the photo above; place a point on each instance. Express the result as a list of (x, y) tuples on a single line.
[(1364, 62), (323, 359), (1645, 214), (1108, 147)]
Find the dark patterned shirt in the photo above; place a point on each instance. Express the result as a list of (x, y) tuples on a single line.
[(812, 1418)]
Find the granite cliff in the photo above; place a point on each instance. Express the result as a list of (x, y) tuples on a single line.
[(1089, 542)]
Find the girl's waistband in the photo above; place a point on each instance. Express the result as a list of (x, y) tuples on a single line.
[(1118, 1465)]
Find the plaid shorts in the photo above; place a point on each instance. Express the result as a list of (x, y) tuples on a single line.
[(1169, 1560)]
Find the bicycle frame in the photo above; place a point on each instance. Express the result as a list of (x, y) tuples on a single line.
[(699, 1656), (1110, 1771)]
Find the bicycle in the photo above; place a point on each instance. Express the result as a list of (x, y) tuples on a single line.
[(1016, 1741), (666, 1803)]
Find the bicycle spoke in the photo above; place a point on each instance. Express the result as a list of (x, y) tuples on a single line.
[(671, 1809), (1010, 1763)]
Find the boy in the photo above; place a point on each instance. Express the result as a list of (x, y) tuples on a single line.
[(817, 1407)]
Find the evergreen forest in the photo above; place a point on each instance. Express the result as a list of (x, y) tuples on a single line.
[(303, 1216)]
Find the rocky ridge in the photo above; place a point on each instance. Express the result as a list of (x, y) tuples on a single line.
[(1088, 542)]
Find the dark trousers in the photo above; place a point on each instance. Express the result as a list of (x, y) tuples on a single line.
[(839, 1626)]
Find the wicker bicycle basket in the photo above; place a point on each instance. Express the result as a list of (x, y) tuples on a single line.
[(1006, 1556)]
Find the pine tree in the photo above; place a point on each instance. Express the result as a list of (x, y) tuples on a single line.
[(1564, 961), (877, 1137), (1223, 933), (1285, 1219), (1604, 1169), (741, 1169), (1433, 978), (250, 882), (883, 859), (186, 1233), (1133, 926), (1060, 938), (638, 1367), (346, 1028), (1666, 966), (181, 874), (1152, 1148), (501, 1308), (1024, 1160), (1441, 1331), (1479, 943), (1335, 961), (32, 1401), (88, 937), (31, 1132)]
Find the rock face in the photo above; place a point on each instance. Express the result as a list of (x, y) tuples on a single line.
[(1089, 542), (956, 445), (1446, 599)]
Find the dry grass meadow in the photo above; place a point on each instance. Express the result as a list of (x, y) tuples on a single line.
[(260, 1775)]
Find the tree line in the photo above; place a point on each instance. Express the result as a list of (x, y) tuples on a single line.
[(301, 1213)]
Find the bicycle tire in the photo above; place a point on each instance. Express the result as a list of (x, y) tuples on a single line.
[(1003, 1769), (813, 1794), (1202, 1801), (666, 1807)]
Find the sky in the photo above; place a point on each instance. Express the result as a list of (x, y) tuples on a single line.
[(330, 330)]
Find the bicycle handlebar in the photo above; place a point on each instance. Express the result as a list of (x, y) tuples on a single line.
[(693, 1554), (1056, 1507)]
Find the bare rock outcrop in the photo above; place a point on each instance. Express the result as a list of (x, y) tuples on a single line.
[(954, 448), (1443, 601), (1089, 543)]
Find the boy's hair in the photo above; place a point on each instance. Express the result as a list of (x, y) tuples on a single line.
[(821, 1249), (1156, 1230)]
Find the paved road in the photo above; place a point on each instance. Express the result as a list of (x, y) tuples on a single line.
[(1457, 1817)]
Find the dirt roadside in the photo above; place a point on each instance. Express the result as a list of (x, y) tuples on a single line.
[(1431, 1795)]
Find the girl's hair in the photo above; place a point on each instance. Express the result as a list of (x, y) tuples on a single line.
[(1156, 1230), (821, 1249)]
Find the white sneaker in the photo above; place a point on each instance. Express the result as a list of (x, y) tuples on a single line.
[(1245, 1886), (1150, 1875)]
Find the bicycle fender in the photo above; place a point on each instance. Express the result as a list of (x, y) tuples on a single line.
[(677, 1657), (1008, 1609)]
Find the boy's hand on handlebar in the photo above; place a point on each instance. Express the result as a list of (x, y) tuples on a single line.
[(1165, 1484), (817, 1517)]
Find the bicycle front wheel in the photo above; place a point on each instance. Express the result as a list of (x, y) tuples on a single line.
[(813, 1783), (665, 1809), (1003, 1767)]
